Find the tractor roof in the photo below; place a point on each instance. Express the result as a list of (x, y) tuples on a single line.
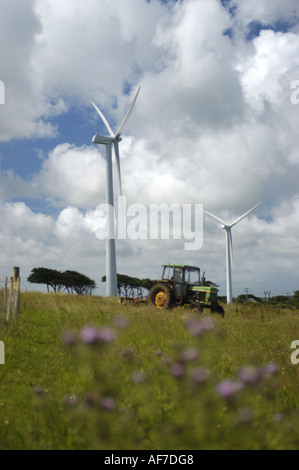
[(190, 268)]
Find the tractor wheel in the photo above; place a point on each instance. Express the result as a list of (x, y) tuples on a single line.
[(160, 296), (195, 307), (218, 309)]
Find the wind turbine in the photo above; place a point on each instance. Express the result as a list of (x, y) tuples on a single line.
[(229, 249), (108, 141)]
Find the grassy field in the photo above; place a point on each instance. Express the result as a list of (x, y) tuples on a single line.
[(89, 373)]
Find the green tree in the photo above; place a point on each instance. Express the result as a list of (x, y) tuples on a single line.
[(70, 281), (75, 282), (129, 286), (51, 277)]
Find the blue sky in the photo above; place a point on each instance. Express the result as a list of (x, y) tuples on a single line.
[(214, 124)]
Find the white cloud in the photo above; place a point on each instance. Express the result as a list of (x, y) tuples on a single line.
[(73, 224), (25, 239), (72, 176), (276, 55), (25, 101), (18, 220), (115, 46)]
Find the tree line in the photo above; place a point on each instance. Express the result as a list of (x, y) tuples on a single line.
[(71, 282), (128, 286)]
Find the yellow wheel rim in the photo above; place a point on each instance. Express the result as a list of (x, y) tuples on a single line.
[(160, 299)]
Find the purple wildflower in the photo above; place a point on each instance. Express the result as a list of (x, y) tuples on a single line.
[(199, 374), (207, 324), (106, 335), (228, 388), (189, 354), (270, 369), (89, 335), (250, 375), (196, 328), (177, 370), (108, 403)]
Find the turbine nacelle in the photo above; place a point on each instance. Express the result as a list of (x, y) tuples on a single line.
[(104, 139), (101, 139)]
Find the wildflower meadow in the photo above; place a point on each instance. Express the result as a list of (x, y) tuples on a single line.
[(89, 373)]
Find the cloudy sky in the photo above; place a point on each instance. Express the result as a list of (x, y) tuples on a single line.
[(215, 123)]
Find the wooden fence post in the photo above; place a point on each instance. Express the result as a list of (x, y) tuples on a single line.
[(5, 292), (9, 301), (17, 297), (16, 290), (12, 299)]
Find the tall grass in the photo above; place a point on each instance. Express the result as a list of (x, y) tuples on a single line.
[(88, 373)]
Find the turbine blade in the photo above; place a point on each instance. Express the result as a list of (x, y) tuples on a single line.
[(116, 150), (214, 217), (244, 215), (127, 115), (231, 249), (103, 119)]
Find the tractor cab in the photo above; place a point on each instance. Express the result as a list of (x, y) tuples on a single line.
[(179, 278), (181, 274)]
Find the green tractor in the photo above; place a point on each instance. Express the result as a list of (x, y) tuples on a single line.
[(182, 286)]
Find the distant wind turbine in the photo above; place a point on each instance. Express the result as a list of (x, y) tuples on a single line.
[(111, 274), (229, 248)]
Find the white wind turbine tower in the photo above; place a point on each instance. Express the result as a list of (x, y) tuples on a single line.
[(229, 249), (111, 273)]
